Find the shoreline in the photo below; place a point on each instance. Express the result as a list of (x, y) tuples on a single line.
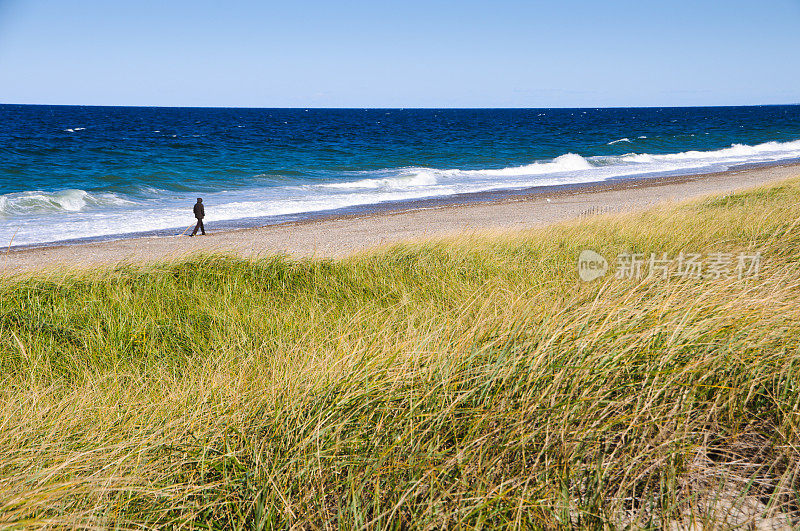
[(335, 235), (405, 205)]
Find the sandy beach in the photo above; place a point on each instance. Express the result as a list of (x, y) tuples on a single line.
[(339, 236)]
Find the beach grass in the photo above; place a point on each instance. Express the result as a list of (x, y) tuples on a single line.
[(470, 382)]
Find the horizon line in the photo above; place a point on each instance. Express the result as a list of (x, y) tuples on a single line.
[(399, 108)]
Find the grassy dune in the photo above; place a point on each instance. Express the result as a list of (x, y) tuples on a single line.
[(474, 382)]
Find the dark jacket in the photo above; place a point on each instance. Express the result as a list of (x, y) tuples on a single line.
[(199, 211)]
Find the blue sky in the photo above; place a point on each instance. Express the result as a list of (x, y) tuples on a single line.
[(384, 53)]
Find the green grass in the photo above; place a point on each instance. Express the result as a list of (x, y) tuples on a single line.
[(472, 382)]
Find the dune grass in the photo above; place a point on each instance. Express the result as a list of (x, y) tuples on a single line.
[(471, 382)]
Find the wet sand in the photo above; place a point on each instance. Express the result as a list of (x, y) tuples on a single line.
[(339, 236)]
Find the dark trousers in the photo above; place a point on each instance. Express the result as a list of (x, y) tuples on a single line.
[(199, 226)]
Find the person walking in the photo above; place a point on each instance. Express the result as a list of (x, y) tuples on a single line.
[(199, 213)]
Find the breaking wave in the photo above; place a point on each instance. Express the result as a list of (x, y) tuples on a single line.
[(570, 168), (36, 202), (415, 177)]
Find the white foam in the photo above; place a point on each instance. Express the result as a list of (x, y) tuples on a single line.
[(565, 163), (736, 153), (626, 139)]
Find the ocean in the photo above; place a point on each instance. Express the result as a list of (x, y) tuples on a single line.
[(72, 173)]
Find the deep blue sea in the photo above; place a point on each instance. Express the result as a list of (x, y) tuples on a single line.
[(82, 172)]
